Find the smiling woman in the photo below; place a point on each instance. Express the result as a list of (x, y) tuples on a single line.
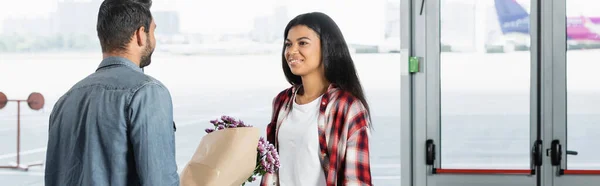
[(325, 102), (303, 51)]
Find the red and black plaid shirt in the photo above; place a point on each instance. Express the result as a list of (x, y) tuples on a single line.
[(343, 136)]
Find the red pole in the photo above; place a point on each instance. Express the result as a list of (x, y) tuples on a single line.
[(18, 131)]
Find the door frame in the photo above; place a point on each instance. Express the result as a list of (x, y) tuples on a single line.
[(555, 119), (420, 121), (406, 130), (420, 109)]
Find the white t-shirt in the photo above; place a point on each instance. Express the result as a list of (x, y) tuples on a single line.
[(299, 147)]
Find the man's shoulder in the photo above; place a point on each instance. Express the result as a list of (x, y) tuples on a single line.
[(136, 80), (124, 78), (118, 80), (148, 80), (151, 86)]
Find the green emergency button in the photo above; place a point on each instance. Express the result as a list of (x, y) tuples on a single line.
[(413, 64)]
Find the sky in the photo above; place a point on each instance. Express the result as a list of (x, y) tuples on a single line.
[(207, 11), (358, 19)]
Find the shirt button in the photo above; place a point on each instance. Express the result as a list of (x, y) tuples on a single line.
[(323, 103)]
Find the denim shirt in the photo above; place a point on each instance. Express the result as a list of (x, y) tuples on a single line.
[(114, 127)]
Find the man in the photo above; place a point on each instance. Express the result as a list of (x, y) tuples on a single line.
[(115, 127)]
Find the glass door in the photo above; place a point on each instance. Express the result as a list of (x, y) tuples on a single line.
[(576, 100), (484, 133), (501, 92), (475, 96)]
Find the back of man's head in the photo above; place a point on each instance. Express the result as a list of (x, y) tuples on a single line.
[(119, 19)]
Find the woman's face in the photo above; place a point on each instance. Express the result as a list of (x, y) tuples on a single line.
[(303, 51)]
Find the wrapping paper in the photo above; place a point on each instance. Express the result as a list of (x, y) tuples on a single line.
[(223, 158)]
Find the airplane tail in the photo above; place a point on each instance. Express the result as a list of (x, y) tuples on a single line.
[(590, 25), (513, 18)]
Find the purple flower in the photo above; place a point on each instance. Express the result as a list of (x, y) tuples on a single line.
[(270, 169), (209, 130), (270, 147), (270, 157), (264, 163), (240, 123), (261, 140), (228, 122), (261, 150), (270, 162), (228, 119)]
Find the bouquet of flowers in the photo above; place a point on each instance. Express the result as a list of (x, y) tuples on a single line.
[(267, 160), (227, 155)]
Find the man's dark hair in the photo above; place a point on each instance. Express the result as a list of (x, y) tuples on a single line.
[(119, 19)]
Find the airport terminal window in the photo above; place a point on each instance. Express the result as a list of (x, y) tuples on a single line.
[(583, 102), (485, 84), (215, 57)]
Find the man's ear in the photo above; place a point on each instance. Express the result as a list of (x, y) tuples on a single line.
[(140, 35)]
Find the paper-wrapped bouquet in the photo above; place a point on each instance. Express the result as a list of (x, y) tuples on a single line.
[(228, 155)]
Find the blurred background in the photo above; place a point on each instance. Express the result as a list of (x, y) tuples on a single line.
[(216, 57), (223, 58)]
